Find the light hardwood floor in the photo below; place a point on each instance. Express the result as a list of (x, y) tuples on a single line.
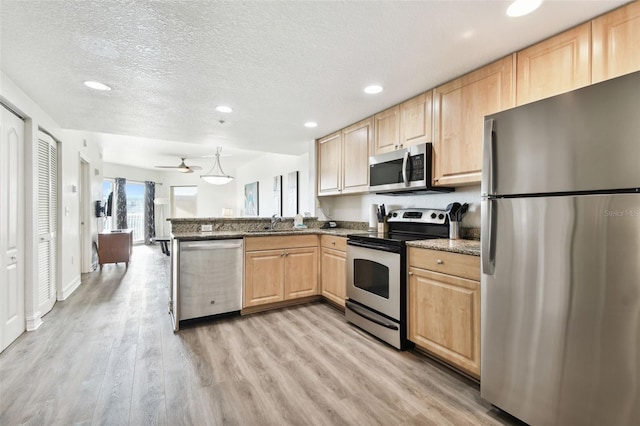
[(108, 355)]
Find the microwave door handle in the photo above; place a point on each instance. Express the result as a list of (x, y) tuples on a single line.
[(405, 163)]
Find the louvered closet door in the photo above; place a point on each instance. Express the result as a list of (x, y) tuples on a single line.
[(12, 315), (47, 221)]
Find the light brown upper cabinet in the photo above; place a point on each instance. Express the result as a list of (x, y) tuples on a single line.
[(329, 164), (387, 130), (416, 119), (409, 123), (355, 154), (343, 160), (556, 65), (459, 108), (616, 43)]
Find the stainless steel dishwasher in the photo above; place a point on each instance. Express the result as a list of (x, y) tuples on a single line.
[(210, 278)]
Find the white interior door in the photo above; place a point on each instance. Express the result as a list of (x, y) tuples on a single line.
[(12, 315), (47, 221)]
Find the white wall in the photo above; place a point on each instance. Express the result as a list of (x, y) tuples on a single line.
[(211, 198), (263, 170), (70, 149), (356, 207)]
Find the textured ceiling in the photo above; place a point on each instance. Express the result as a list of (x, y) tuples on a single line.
[(278, 64)]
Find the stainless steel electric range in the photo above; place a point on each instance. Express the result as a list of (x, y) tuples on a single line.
[(377, 275)]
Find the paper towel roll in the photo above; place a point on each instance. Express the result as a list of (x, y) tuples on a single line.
[(373, 218)]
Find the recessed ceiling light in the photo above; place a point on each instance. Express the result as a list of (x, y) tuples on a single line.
[(310, 124), (223, 108), (372, 90), (523, 7), (97, 86)]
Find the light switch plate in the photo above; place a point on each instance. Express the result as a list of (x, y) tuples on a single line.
[(206, 228)]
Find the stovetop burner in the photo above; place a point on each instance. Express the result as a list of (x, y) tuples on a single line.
[(391, 237), (409, 225)]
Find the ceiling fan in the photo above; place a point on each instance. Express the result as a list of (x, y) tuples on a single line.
[(182, 167)]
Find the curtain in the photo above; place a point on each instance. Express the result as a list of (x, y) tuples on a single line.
[(149, 211), (121, 203)]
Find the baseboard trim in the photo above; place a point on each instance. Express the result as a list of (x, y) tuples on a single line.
[(34, 322), (69, 288), (276, 305)]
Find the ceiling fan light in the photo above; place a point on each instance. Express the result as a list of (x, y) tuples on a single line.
[(216, 175)]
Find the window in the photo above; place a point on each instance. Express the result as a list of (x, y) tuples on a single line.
[(135, 207), (184, 201)]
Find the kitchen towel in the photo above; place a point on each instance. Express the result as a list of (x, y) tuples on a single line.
[(373, 218)]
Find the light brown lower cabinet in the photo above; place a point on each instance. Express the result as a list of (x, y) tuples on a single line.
[(333, 259), (279, 269), (444, 306)]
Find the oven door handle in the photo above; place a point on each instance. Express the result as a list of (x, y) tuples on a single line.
[(373, 246), (371, 317)]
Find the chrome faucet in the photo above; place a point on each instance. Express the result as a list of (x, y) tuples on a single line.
[(275, 219)]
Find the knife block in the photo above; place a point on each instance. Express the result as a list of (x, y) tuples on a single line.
[(383, 228)]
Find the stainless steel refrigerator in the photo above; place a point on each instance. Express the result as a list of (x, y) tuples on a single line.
[(561, 258)]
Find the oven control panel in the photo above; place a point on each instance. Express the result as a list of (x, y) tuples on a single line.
[(434, 216)]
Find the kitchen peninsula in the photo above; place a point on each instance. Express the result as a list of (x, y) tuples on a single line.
[(284, 266)]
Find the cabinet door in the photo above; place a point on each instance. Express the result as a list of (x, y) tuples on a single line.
[(263, 281), (334, 275), (300, 272), (616, 43), (459, 110), (556, 65), (416, 120), (355, 154), (387, 130), (444, 317), (329, 164)]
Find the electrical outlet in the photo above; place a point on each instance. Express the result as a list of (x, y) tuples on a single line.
[(206, 228)]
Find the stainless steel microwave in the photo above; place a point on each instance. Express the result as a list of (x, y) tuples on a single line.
[(405, 170)]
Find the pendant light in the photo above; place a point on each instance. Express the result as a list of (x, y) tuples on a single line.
[(216, 176)]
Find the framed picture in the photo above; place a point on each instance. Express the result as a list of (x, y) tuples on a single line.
[(251, 201), (277, 195), (292, 194)]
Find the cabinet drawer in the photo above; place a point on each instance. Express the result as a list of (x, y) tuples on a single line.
[(336, 243), (280, 242), (460, 265)]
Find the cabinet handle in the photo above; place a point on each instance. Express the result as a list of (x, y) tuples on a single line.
[(410, 273), (333, 242), (286, 254), (439, 261), (282, 254)]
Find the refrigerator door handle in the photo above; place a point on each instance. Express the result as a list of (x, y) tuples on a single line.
[(487, 158), (488, 236)]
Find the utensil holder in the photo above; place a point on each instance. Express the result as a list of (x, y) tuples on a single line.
[(454, 230), (382, 227)]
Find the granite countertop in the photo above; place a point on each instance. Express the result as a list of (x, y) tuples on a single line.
[(470, 247), (225, 235)]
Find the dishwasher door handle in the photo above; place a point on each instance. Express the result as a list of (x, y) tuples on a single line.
[(211, 246)]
